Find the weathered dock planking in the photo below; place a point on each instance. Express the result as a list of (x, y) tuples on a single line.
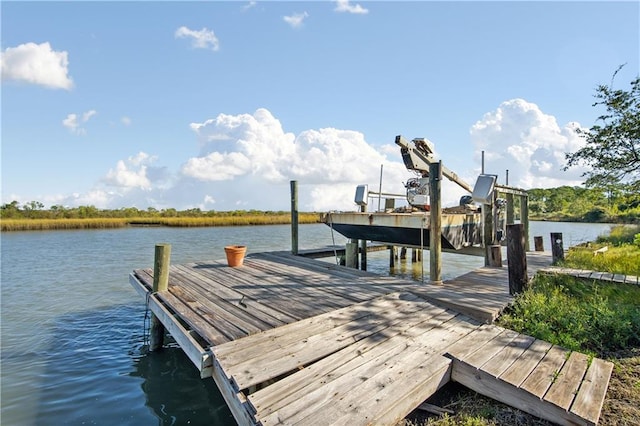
[(290, 340), (592, 275)]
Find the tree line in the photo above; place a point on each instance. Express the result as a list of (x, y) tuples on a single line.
[(36, 210)]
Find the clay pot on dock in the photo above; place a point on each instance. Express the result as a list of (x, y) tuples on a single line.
[(235, 255)]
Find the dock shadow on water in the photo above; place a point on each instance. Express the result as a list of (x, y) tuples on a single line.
[(96, 370)]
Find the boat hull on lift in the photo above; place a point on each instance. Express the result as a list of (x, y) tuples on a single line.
[(459, 230)]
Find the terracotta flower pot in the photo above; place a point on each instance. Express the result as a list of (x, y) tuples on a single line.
[(235, 255)]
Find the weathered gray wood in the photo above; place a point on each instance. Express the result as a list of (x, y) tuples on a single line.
[(516, 259), (198, 355), (510, 209), (236, 401), (524, 219), (508, 355), (517, 372), (590, 397), (486, 384), (294, 217), (545, 373), (436, 331), (161, 265), (435, 219), (565, 386)]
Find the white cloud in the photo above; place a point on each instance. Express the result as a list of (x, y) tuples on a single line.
[(203, 39), (74, 121), (126, 121), (36, 64), (346, 6), (249, 5), (519, 137), (248, 161), (131, 173), (296, 19), (256, 153)]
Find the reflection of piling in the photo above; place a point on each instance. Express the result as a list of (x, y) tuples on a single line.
[(161, 264)]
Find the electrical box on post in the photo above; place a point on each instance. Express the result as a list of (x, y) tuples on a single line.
[(362, 195)]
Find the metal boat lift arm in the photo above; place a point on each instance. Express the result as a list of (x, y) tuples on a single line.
[(418, 155)]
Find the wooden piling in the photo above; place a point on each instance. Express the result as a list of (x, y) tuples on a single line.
[(161, 263), (393, 255), (294, 217), (435, 223), (495, 256), (363, 246), (511, 217), (351, 254), (538, 244), (557, 249), (516, 258), (488, 231), (524, 219)]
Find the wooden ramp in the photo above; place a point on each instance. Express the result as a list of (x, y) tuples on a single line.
[(290, 340)]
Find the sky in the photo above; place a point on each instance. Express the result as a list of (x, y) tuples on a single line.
[(220, 105)]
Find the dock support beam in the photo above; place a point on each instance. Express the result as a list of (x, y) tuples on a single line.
[(435, 225), (294, 217), (161, 264)]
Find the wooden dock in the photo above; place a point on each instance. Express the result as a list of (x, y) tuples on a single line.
[(290, 340)]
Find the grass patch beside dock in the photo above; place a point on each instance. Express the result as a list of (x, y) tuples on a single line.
[(601, 319)]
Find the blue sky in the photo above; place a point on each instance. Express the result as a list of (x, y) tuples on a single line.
[(219, 105)]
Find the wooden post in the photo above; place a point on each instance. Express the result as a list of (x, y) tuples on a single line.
[(351, 254), (516, 258), (495, 256), (511, 217), (161, 263), (524, 219), (435, 223), (538, 244), (392, 256), (416, 255), (363, 246), (557, 249), (403, 253), (489, 232), (294, 217)]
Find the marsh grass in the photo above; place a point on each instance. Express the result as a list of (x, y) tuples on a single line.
[(103, 223)]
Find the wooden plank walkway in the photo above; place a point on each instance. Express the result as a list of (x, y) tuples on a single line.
[(290, 340), (592, 275)]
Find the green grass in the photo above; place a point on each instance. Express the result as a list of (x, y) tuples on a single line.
[(101, 223), (586, 316)]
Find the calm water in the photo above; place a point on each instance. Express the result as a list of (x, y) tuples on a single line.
[(73, 328)]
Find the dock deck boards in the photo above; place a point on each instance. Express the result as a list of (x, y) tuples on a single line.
[(290, 340)]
